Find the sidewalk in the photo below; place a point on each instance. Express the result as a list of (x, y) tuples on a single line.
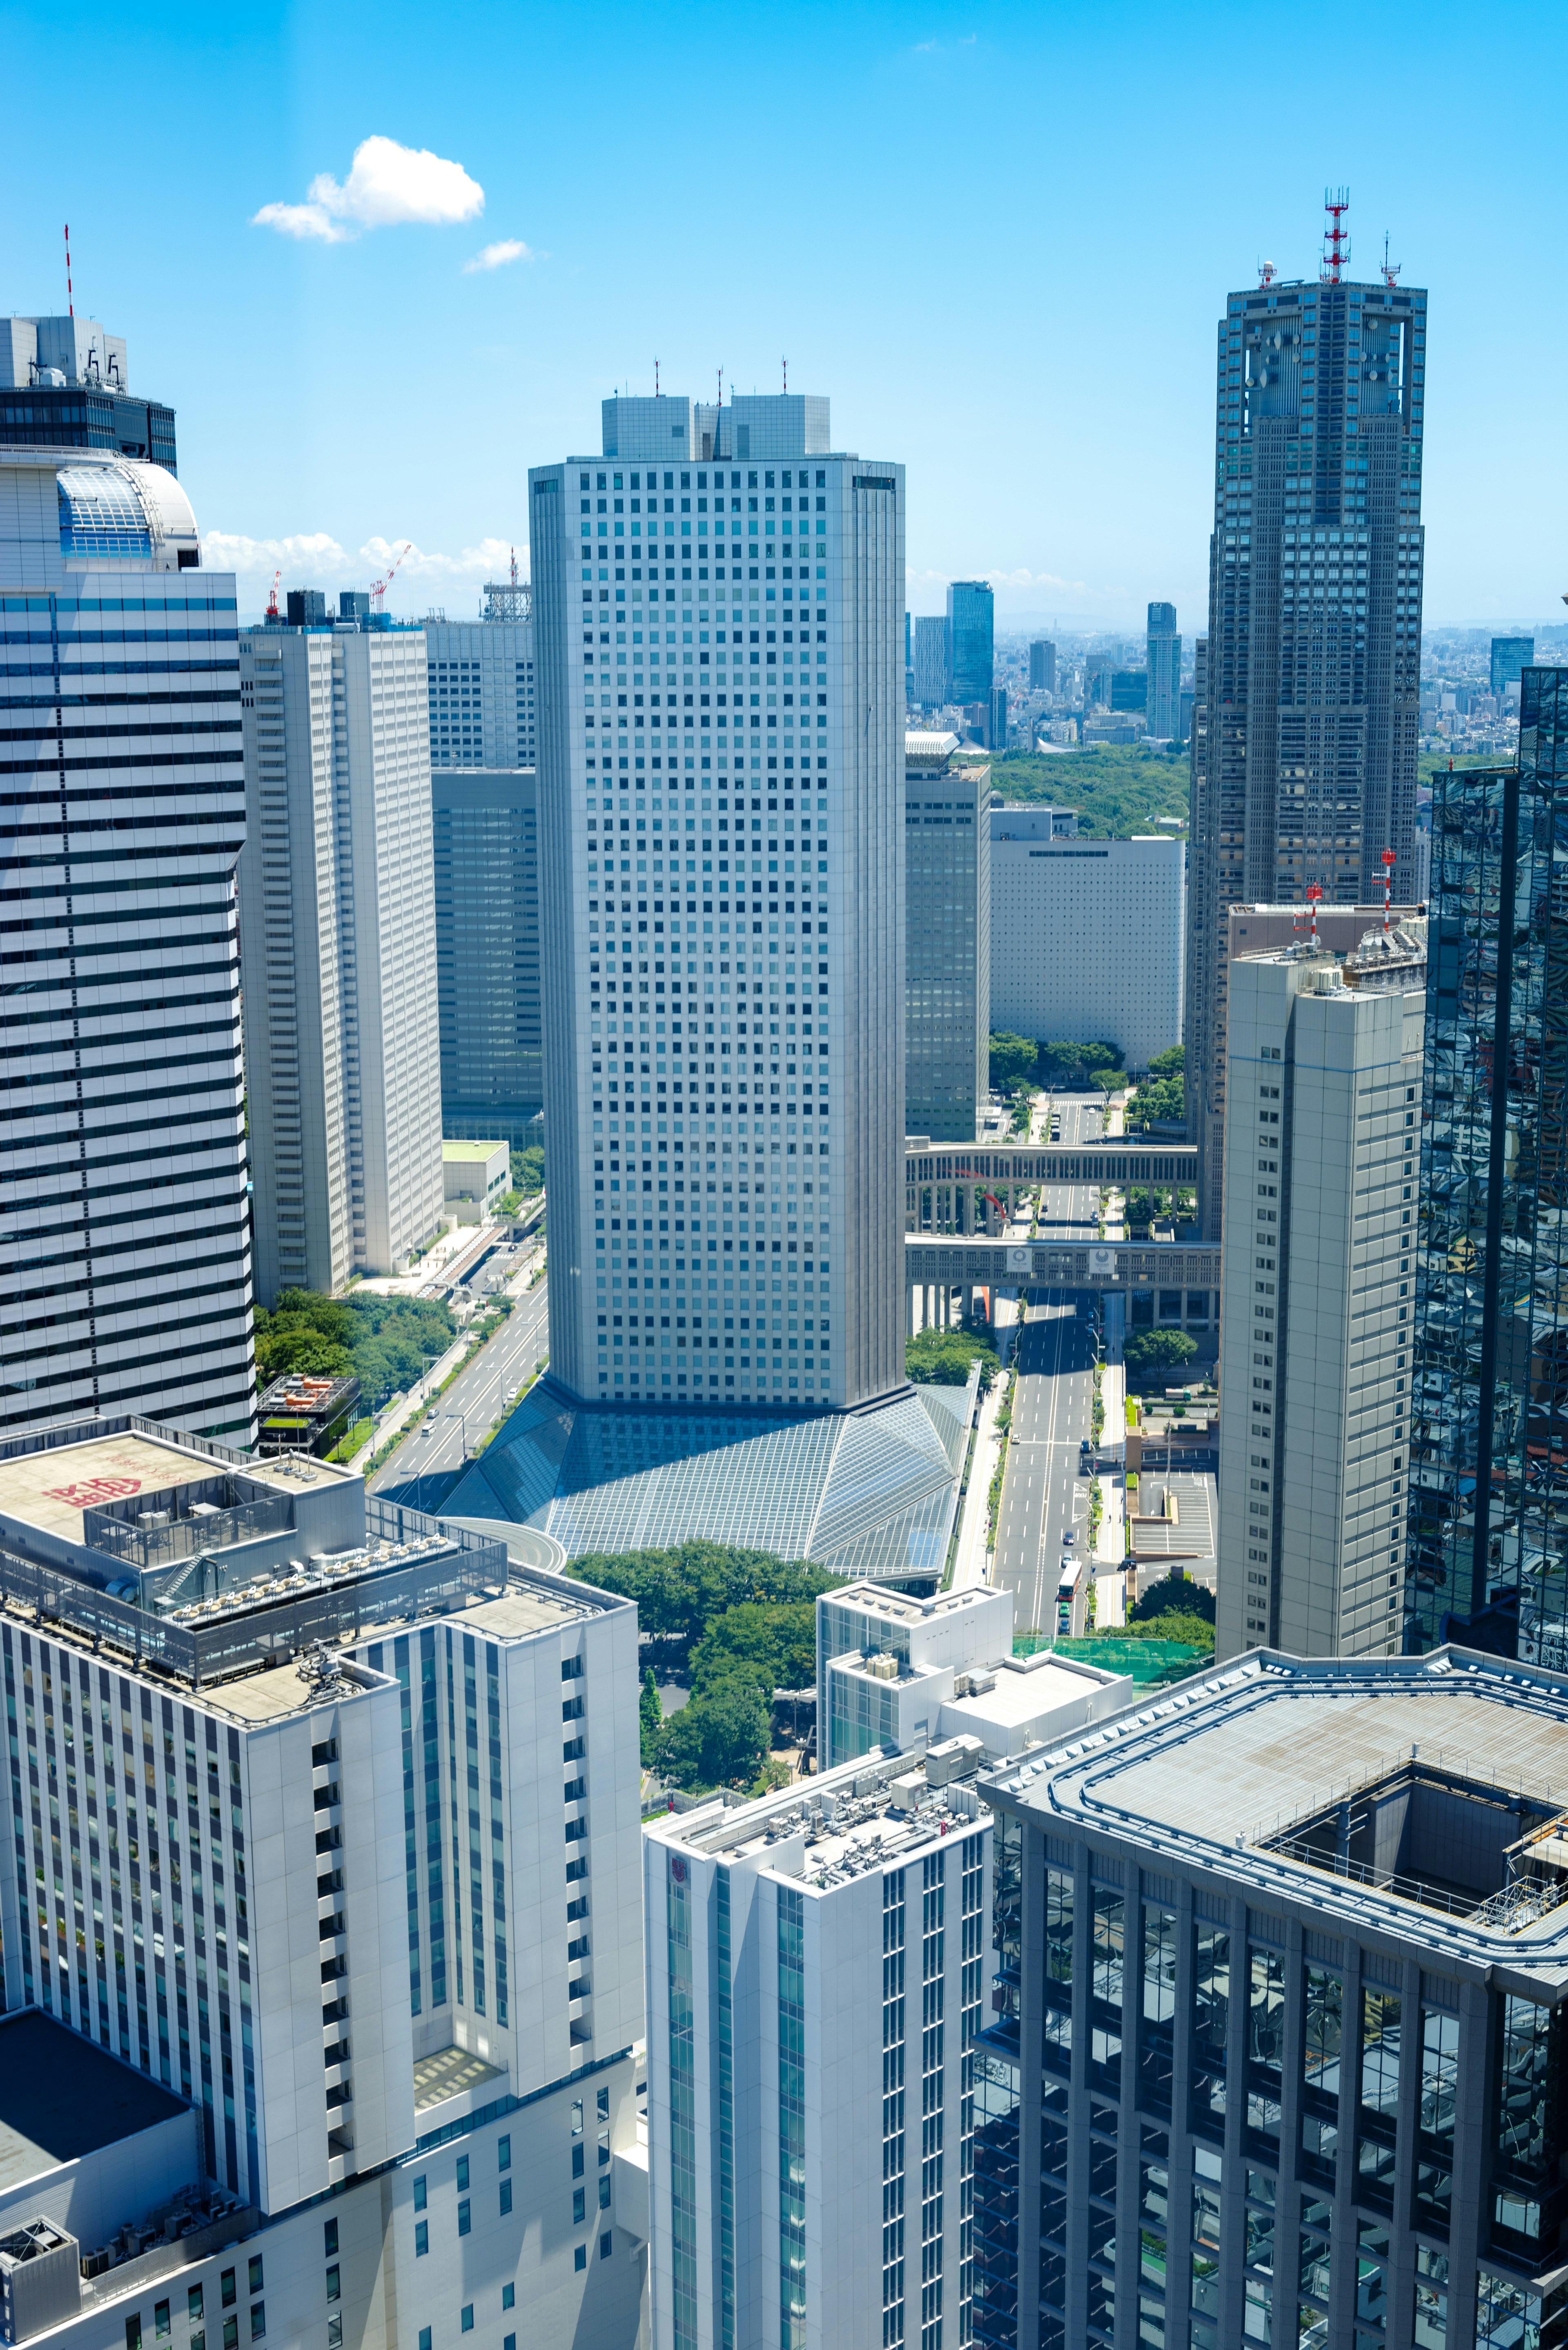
[(971, 1563)]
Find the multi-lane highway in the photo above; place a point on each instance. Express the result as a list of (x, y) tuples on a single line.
[(1044, 1493), (429, 1460)]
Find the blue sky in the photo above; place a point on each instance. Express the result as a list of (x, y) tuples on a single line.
[(998, 237)]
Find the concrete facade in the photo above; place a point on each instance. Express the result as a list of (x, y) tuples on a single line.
[(1087, 941), (946, 938), (482, 693), (484, 828)]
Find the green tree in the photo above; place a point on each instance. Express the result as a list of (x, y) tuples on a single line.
[(1069, 1065), (1158, 1350), (528, 1169), (1013, 1061), (1174, 1595), (720, 1739), (1171, 1063), (649, 1718), (773, 1645), (683, 1589), (941, 1358)]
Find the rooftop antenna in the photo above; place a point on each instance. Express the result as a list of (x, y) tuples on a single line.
[(70, 297), (656, 379), (1335, 241), (1390, 269), (1313, 892), (272, 611), (785, 365), (514, 553), (1387, 887), (1267, 272)]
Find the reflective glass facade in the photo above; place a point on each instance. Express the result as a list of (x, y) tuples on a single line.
[(1490, 1385), (972, 620)]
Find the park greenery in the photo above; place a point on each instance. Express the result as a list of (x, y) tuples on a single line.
[(1019, 1063), (941, 1358), (1174, 1608), (1147, 1355), (386, 1343), (1117, 789), (529, 1169), (1163, 1093), (750, 1620)]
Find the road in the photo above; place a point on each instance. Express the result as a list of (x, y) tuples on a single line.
[(428, 1462), (1043, 1493)]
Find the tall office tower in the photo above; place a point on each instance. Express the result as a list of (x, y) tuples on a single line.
[(485, 832), (1324, 1105), (403, 2018), (337, 915), (1086, 937), (1511, 656), (759, 879), (1268, 2063), (65, 384), (996, 719), (1311, 686), (970, 637), (1042, 667), (930, 660), (946, 938), (125, 1261), (304, 607), (482, 684), (814, 1987), (1489, 1394), (1164, 701)]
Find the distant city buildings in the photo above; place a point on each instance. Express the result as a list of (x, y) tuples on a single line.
[(485, 861), (947, 937), (930, 660), (1163, 705), (1509, 657), (1042, 667), (1323, 1109), (1087, 939), (338, 916), (1304, 762), (996, 719), (970, 642), (125, 1250)]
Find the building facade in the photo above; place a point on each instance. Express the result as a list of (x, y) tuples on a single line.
[(930, 660), (1164, 702), (1042, 667), (484, 833), (1087, 941), (65, 384), (970, 642), (1267, 2061), (340, 2011), (1511, 656), (762, 863), (1489, 1395), (1309, 701), (481, 686), (814, 1964), (1317, 1298), (946, 938), (125, 1265), (337, 915)]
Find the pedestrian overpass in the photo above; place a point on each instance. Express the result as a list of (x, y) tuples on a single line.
[(1181, 1278)]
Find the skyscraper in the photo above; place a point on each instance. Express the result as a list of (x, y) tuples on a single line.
[(1322, 1099), (481, 685), (721, 819), (1311, 685), (1164, 702), (65, 384), (930, 660), (1509, 657), (1042, 667), (484, 827), (1490, 1399), (125, 1265), (970, 633), (947, 937), (337, 916)]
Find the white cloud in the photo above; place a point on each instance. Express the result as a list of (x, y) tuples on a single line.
[(496, 256), (315, 559), (308, 554), (388, 185)]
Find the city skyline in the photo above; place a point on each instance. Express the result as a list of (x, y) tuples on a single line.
[(274, 341)]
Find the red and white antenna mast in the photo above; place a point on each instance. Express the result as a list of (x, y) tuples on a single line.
[(515, 566), (656, 379), (1313, 892), (272, 611), (784, 364), (1267, 272), (70, 297), (1390, 268), (1387, 887), (1336, 241)]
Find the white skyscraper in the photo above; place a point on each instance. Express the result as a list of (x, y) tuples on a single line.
[(344, 1905), (125, 1272), (482, 684), (1323, 1109), (338, 916)]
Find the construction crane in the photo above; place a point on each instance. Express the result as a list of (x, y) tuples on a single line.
[(272, 599), (378, 587)]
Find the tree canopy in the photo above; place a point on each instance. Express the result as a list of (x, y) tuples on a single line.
[(1157, 1351), (1013, 1062), (941, 1358), (1174, 1595), (384, 1342), (1171, 1063), (1070, 1066), (683, 1589), (720, 1739)]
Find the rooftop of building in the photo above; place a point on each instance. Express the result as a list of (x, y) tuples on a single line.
[(905, 1608), (881, 1811), (476, 1153), (50, 1480), (1419, 1798), (61, 2097)]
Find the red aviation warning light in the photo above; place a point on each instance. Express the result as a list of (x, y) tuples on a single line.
[(1313, 892)]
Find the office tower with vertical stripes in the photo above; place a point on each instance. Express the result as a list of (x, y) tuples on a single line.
[(1311, 685)]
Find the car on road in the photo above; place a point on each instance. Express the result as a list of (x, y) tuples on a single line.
[(1069, 1534)]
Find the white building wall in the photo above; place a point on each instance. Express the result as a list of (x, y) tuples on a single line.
[(482, 693), (1088, 940), (1318, 1304)]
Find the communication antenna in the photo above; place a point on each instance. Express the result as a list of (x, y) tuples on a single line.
[(1390, 269), (1335, 240), (513, 552), (656, 379), (272, 611), (1313, 892), (70, 297), (1267, 272), (785, 365), (1388, 886)]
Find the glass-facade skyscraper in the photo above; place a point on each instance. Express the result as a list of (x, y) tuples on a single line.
[(1305, 735), (1164, 701), (484, 837), (971, 630), (1488, 1559)]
